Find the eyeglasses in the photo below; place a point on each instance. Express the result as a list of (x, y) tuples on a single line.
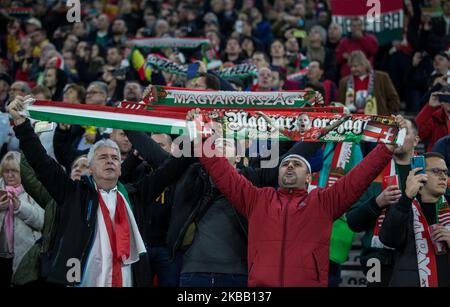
[(438, 171)]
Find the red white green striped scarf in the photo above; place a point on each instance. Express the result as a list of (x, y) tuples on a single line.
[(426, 259), (238, 124), (344, 157), (389, 170)]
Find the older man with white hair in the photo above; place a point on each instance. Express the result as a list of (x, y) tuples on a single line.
[(98, 239)]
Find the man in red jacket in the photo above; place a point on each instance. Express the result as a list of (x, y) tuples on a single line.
[(433, 120), (289, 228), (358, 40)]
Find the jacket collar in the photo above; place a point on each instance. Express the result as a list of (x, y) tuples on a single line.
[(293, 192)]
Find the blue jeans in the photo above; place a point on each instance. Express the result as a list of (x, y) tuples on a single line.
[(168, 272), (212, 280)]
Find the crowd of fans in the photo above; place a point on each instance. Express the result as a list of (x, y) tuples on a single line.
[(198, 230)]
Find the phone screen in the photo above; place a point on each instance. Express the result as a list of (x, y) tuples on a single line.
[(444, 98), (2, 193), (418, 161), (192, 70), (119, 72)]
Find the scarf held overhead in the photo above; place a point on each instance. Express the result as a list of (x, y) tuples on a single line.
[(176, 96), (308, 126), (241, 71)]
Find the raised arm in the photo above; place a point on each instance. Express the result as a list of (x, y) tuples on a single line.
[(147, 148), (48, 171), (393, 232), (241, 193), (32, 185), (346, 191), (154, 184)]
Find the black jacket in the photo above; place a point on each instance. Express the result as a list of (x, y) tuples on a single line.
[(156, 213), (78, 204), (65, 143), (194, 191), (397, 232)]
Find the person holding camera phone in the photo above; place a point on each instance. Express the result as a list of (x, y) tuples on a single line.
[(418, 227), (21, 218), (367, 213), (433, 120)]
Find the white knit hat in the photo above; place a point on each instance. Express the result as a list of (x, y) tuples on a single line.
[(298, 157)]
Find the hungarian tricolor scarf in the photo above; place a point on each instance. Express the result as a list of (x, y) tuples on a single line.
[(237, 112), (389, 170), (118, 234), (339, 159), (426, 257), (118, 243)]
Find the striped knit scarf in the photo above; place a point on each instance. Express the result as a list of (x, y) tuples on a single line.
[(426, 259), (389, 170), (370, 102)]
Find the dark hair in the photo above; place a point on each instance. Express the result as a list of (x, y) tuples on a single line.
[(40, 89), (317, 86), (81, 92), (264, 54), (429, 155), (269, 48), (61, 81), (211, 81), (444, 55), (321, 66), (281, 71)]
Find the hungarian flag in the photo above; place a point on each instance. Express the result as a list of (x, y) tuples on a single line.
[(379, 133), (383, 18)]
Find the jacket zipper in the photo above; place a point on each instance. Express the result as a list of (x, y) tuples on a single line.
[(83, 260), (90, 241), (283, 242)]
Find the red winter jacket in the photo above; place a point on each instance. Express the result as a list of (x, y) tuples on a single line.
[(367, 44), (432, 124), (289, 229)]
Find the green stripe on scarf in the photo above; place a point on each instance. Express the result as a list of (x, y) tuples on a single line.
[(341, 235)]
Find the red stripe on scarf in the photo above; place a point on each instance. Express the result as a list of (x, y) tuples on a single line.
[(432, 278), (119, 236)]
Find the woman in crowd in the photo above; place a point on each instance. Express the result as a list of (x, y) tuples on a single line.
[(21, 218)]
